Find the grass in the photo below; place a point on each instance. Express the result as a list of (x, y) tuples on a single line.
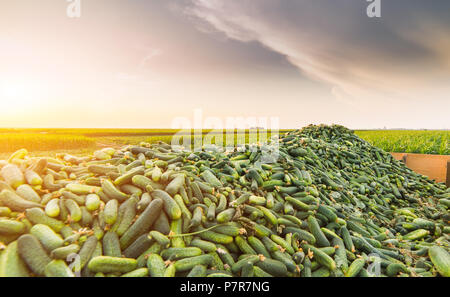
[(76, 141), (72, 141), (44, 142), (409, 141), (119, 132)]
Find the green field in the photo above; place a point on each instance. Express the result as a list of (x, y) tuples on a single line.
[(75, 141), (409, 141)]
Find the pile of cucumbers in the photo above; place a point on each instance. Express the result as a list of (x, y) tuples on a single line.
[(315, 202)]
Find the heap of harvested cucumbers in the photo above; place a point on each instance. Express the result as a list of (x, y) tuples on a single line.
[(328, 205)]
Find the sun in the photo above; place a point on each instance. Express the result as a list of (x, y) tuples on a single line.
[(16, 94), (12, 90)]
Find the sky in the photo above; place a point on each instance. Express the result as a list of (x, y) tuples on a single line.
[(213, 63)]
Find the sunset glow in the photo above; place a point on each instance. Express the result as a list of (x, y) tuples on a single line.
[(140, 64)]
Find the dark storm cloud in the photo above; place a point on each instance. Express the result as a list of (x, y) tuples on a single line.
[(337, 43)]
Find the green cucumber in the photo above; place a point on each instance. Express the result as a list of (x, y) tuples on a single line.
[(8, 227), (48, 238), (226, 215), (5, 211), (257, 200), (155, 248), (33, 254), (247, 270), (110, 211), (196, 217), (174, 186), (354, 268), (144, 201), (347, 239), (237, 267), (12, 175), (142, 224), (188, 263), (197, 271), (222, 203), (80, 189), (140, 272), (273, 267), (329, 250), (270, 185), (269, 215), (394, 268), (112, 192), (52, 208), (321, 272), (440, 259), (204, 245), (216, 237), (111, 244), (282, 242), (28, 193), (176, 227), (258, 246), (131, 190), (140, 245), (298, 204), (286, 259), (127, 176), (327, 212), (270, 245), (79, 199), (92, 202), (211, 213), (306, 272), (228, 229), (170, 271), (302, 234), (244, 246), (102, 169), (211, 179), (107, 264), (38, 216), (86, 272), (171, 207), (160, 238), (145, 183), (64, 251), (156, 174), (320, 256), (125, 216), (162, 224), (11, 264), (416, 234), (58, 268), (185, 211), (180, 253), (156, 266), (87, 218), (33, 178), (74, 210), (340, 256), (261, 230), (258, 272), (314, 228), (15, 202), (86, 252)]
